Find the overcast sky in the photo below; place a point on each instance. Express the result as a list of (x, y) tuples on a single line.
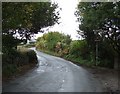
[(68, 23)]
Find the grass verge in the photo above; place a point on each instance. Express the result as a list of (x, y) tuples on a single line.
[(72, 58)]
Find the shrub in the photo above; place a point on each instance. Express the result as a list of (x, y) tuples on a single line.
[(12, 61), (9, 70), (26, 57), (32, 56), (29, 45), (106, 63), (79, 48)]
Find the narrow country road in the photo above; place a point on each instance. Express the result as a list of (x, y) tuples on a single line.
[(54, 74)]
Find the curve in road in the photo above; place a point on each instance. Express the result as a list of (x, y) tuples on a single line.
[(54, 74)]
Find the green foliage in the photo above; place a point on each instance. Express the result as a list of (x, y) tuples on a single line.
[(54, 41), (32, 56), (41, 43), (78, 60), (106, 54), (25, 19), (74, 48), (30, 15), (15, 59), (79, 48), (102, 18), (77, 51), (9, 43), (29, 45), (52, 38), (100, 21), (9, 70)]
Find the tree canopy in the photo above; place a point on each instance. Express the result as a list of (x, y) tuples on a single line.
[(100, 20), (28, 17), (21, 20), (54, 41)]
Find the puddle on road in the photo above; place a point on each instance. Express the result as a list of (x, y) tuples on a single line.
[(62, 88), (39, 71), (63, 80), (64, 69)]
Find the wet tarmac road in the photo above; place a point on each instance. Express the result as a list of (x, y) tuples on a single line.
[(54, 74)]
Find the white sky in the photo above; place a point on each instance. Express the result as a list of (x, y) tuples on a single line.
[(68, 23)]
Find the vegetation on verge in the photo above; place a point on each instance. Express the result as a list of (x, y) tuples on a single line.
[(54, 42), (100, 26), (78, 51), (20, 21), (13, 62)]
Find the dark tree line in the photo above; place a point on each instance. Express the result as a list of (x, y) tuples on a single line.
[(101, 21), (26, 19), (20, 21)]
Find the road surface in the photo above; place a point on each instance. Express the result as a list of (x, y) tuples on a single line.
[(54, 74)]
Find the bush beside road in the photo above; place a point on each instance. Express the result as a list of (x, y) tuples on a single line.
[(17, 63)]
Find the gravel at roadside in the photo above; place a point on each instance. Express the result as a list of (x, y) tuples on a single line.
[(109, 78)]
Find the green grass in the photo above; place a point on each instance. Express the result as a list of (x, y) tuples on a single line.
[(76, 60), (50, 52), (87, 61), (29, 45)]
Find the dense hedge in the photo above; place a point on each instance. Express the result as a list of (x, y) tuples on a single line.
[(13, 60)]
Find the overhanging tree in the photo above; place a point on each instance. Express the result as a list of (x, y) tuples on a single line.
[(27, 18), (101, 20)]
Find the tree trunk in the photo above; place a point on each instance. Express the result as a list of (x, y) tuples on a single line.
[(116, 62)]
